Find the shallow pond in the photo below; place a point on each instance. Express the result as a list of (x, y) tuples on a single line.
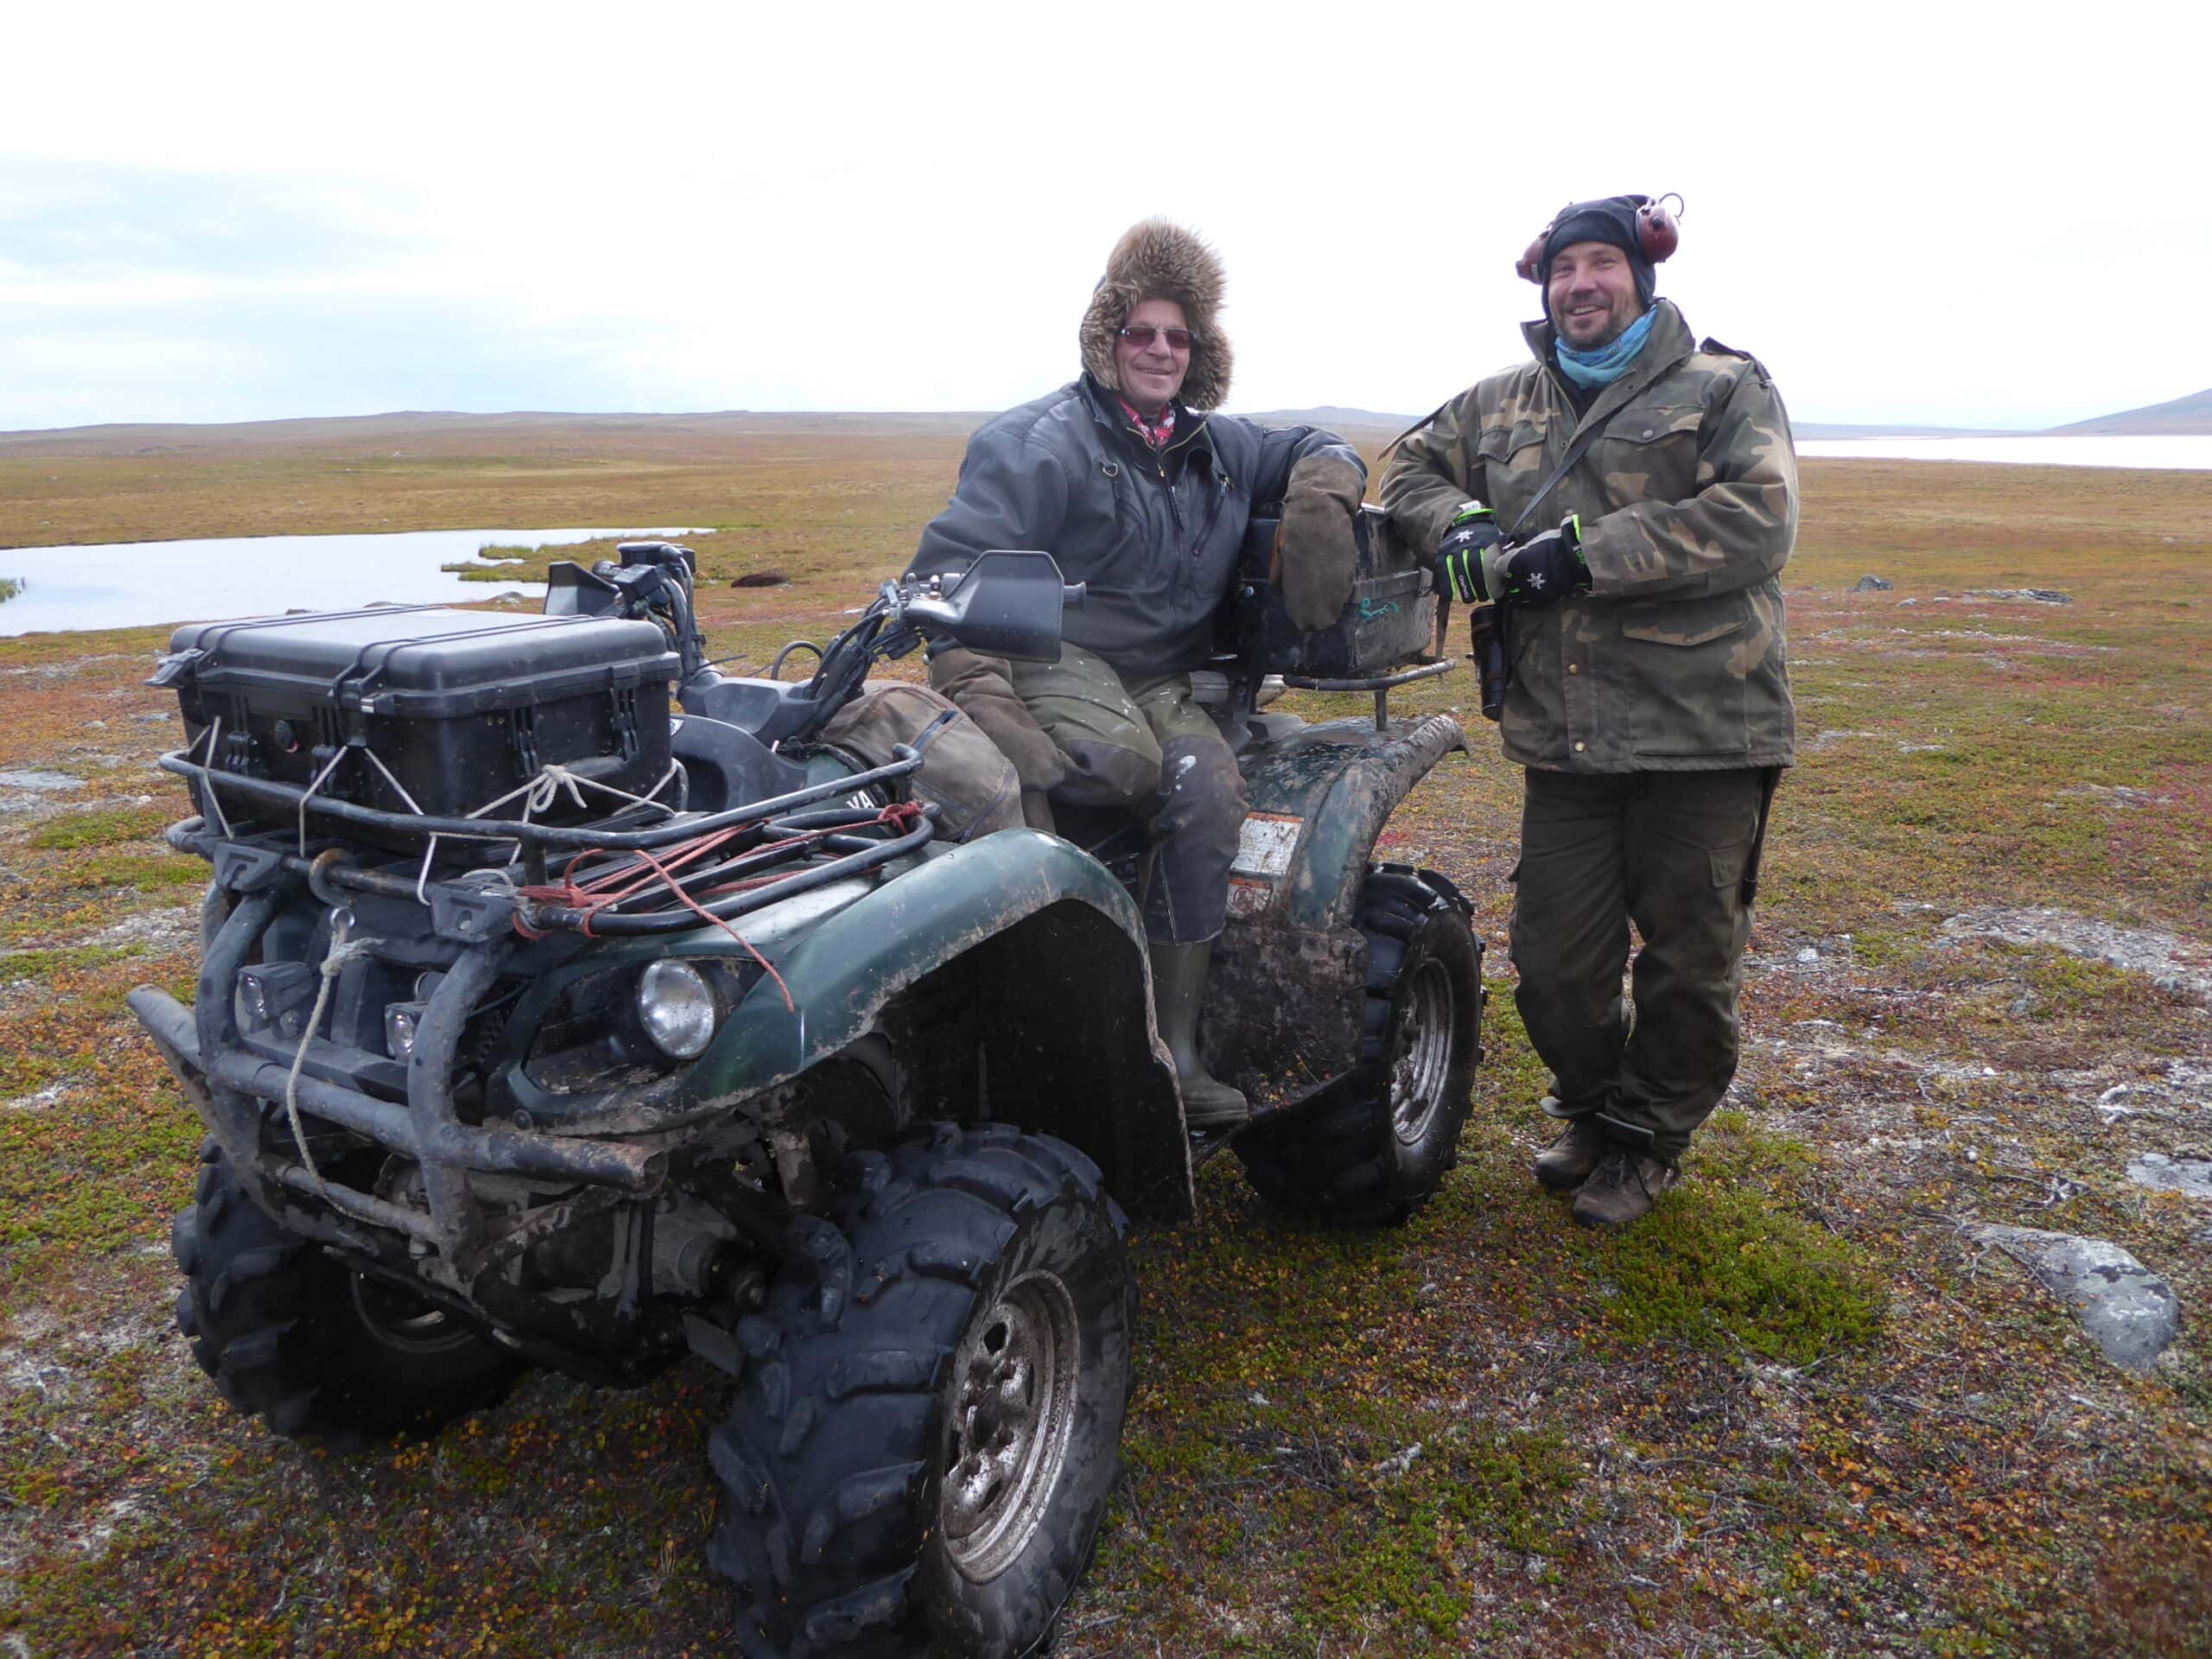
[(131, 584)]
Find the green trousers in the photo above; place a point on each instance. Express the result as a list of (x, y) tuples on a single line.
[(1141, 744), (1669, 851)]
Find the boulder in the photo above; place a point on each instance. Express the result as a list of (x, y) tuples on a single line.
[(1873, 585), (2128, 1311), (2192, 1176)]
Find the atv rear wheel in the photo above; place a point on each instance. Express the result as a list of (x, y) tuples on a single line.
[(317, 1351), (1375, 1149), (921, 1453)]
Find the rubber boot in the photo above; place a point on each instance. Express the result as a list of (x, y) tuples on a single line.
[(1179, 985)]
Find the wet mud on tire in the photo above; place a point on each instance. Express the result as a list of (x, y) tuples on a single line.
[(930, 1429), (1373, 1152), (319, 1352)]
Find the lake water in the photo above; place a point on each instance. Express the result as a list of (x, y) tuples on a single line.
[(131, 584), (2191, 453)]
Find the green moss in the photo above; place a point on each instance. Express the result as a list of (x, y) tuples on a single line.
[(2071, 984), (1883, 947), (112, 827), (46, 965), (1718, 1265), (149, 872)]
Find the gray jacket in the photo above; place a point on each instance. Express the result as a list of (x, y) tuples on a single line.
[(1155, 535)]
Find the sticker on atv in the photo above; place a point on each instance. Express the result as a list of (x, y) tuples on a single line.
[(1265, 846)]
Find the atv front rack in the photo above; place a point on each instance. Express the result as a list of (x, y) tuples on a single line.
[(667, 878)]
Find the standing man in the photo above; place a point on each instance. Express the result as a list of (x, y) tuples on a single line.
[(1649, 694), (1127, 481)]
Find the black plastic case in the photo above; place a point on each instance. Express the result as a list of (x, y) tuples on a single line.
[(1391, 619), (461, 707)]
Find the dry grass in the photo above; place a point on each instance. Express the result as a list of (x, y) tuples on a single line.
[(1797, 1414)]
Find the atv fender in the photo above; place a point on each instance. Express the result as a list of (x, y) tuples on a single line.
[(1015, 969), (1320, 797), (1286, 999)]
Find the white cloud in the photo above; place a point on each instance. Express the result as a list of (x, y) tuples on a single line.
[(1909, 211)]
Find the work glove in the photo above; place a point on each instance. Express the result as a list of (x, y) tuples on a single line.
[(1472, 533), (1317, 553), (1541, 571), (983, 686)]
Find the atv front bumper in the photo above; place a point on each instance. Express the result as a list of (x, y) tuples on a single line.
[(233, 1089)]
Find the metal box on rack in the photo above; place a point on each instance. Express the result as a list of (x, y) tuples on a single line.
[(1389, 620), (454, 708)]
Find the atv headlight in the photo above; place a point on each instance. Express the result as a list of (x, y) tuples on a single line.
[(677, 1007)]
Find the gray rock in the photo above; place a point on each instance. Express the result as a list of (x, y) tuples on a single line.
[(2039, 595), (2192, 1176), (39, 780), (2172, 964), (1873, 585), (2128, 1311)]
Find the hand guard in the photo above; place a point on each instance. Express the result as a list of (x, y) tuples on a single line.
[(1543, 569), (1472, 533)]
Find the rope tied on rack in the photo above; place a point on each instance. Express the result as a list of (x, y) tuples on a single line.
[(537, 793), (646, 873), (341, 951)]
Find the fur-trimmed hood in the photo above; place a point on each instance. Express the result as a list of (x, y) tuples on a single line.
[(1157, 260)]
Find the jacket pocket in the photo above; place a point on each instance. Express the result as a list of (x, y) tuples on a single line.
[(1650, 454), (1678, 672)]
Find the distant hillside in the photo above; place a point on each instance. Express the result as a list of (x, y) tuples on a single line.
[(1831, 430), (2179, 417), (1336, 418), (446, 427)]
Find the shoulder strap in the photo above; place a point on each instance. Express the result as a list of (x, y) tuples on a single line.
[(1575, 451)]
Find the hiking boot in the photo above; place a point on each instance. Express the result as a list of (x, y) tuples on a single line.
[(1567, 1163), (1623, 1187), (1178, 984)]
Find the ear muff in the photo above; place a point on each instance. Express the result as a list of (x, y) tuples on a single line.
[(1658, 233)]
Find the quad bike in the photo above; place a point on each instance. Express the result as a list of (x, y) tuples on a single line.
[(542, 1021)]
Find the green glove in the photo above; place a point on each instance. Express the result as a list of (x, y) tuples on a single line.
[(1472, 532)]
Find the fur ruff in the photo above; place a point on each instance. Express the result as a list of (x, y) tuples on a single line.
[(1157, 260)]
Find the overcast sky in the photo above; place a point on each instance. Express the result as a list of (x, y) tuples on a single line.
[(1933, 212)]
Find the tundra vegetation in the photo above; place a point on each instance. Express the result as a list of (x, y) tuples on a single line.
[(1802, 1411)]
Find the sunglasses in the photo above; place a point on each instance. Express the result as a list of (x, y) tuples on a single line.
[(1142, 335)]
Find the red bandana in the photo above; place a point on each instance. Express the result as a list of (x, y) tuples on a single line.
[(1155, 433)]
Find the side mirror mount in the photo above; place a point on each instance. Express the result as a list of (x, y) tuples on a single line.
[(1008, 603)]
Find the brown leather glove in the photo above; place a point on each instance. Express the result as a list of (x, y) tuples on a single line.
[(983, 686), (1319, 558)]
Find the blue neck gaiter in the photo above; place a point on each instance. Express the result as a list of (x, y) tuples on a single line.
[(1606, 364)]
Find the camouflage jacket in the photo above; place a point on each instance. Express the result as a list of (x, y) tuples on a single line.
[(1673, 659)]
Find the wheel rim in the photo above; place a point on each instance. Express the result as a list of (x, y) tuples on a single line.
[(1424, 1063), (405, 1322), (1013, 1416)]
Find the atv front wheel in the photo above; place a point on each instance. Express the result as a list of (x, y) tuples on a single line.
[(921, 1450), (1373, 1150), (317, 1351)]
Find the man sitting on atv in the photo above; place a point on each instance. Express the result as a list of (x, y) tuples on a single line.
[(1128, 481)]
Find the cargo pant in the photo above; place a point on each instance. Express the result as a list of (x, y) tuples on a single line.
[(1141, 745), (1674, 852)]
